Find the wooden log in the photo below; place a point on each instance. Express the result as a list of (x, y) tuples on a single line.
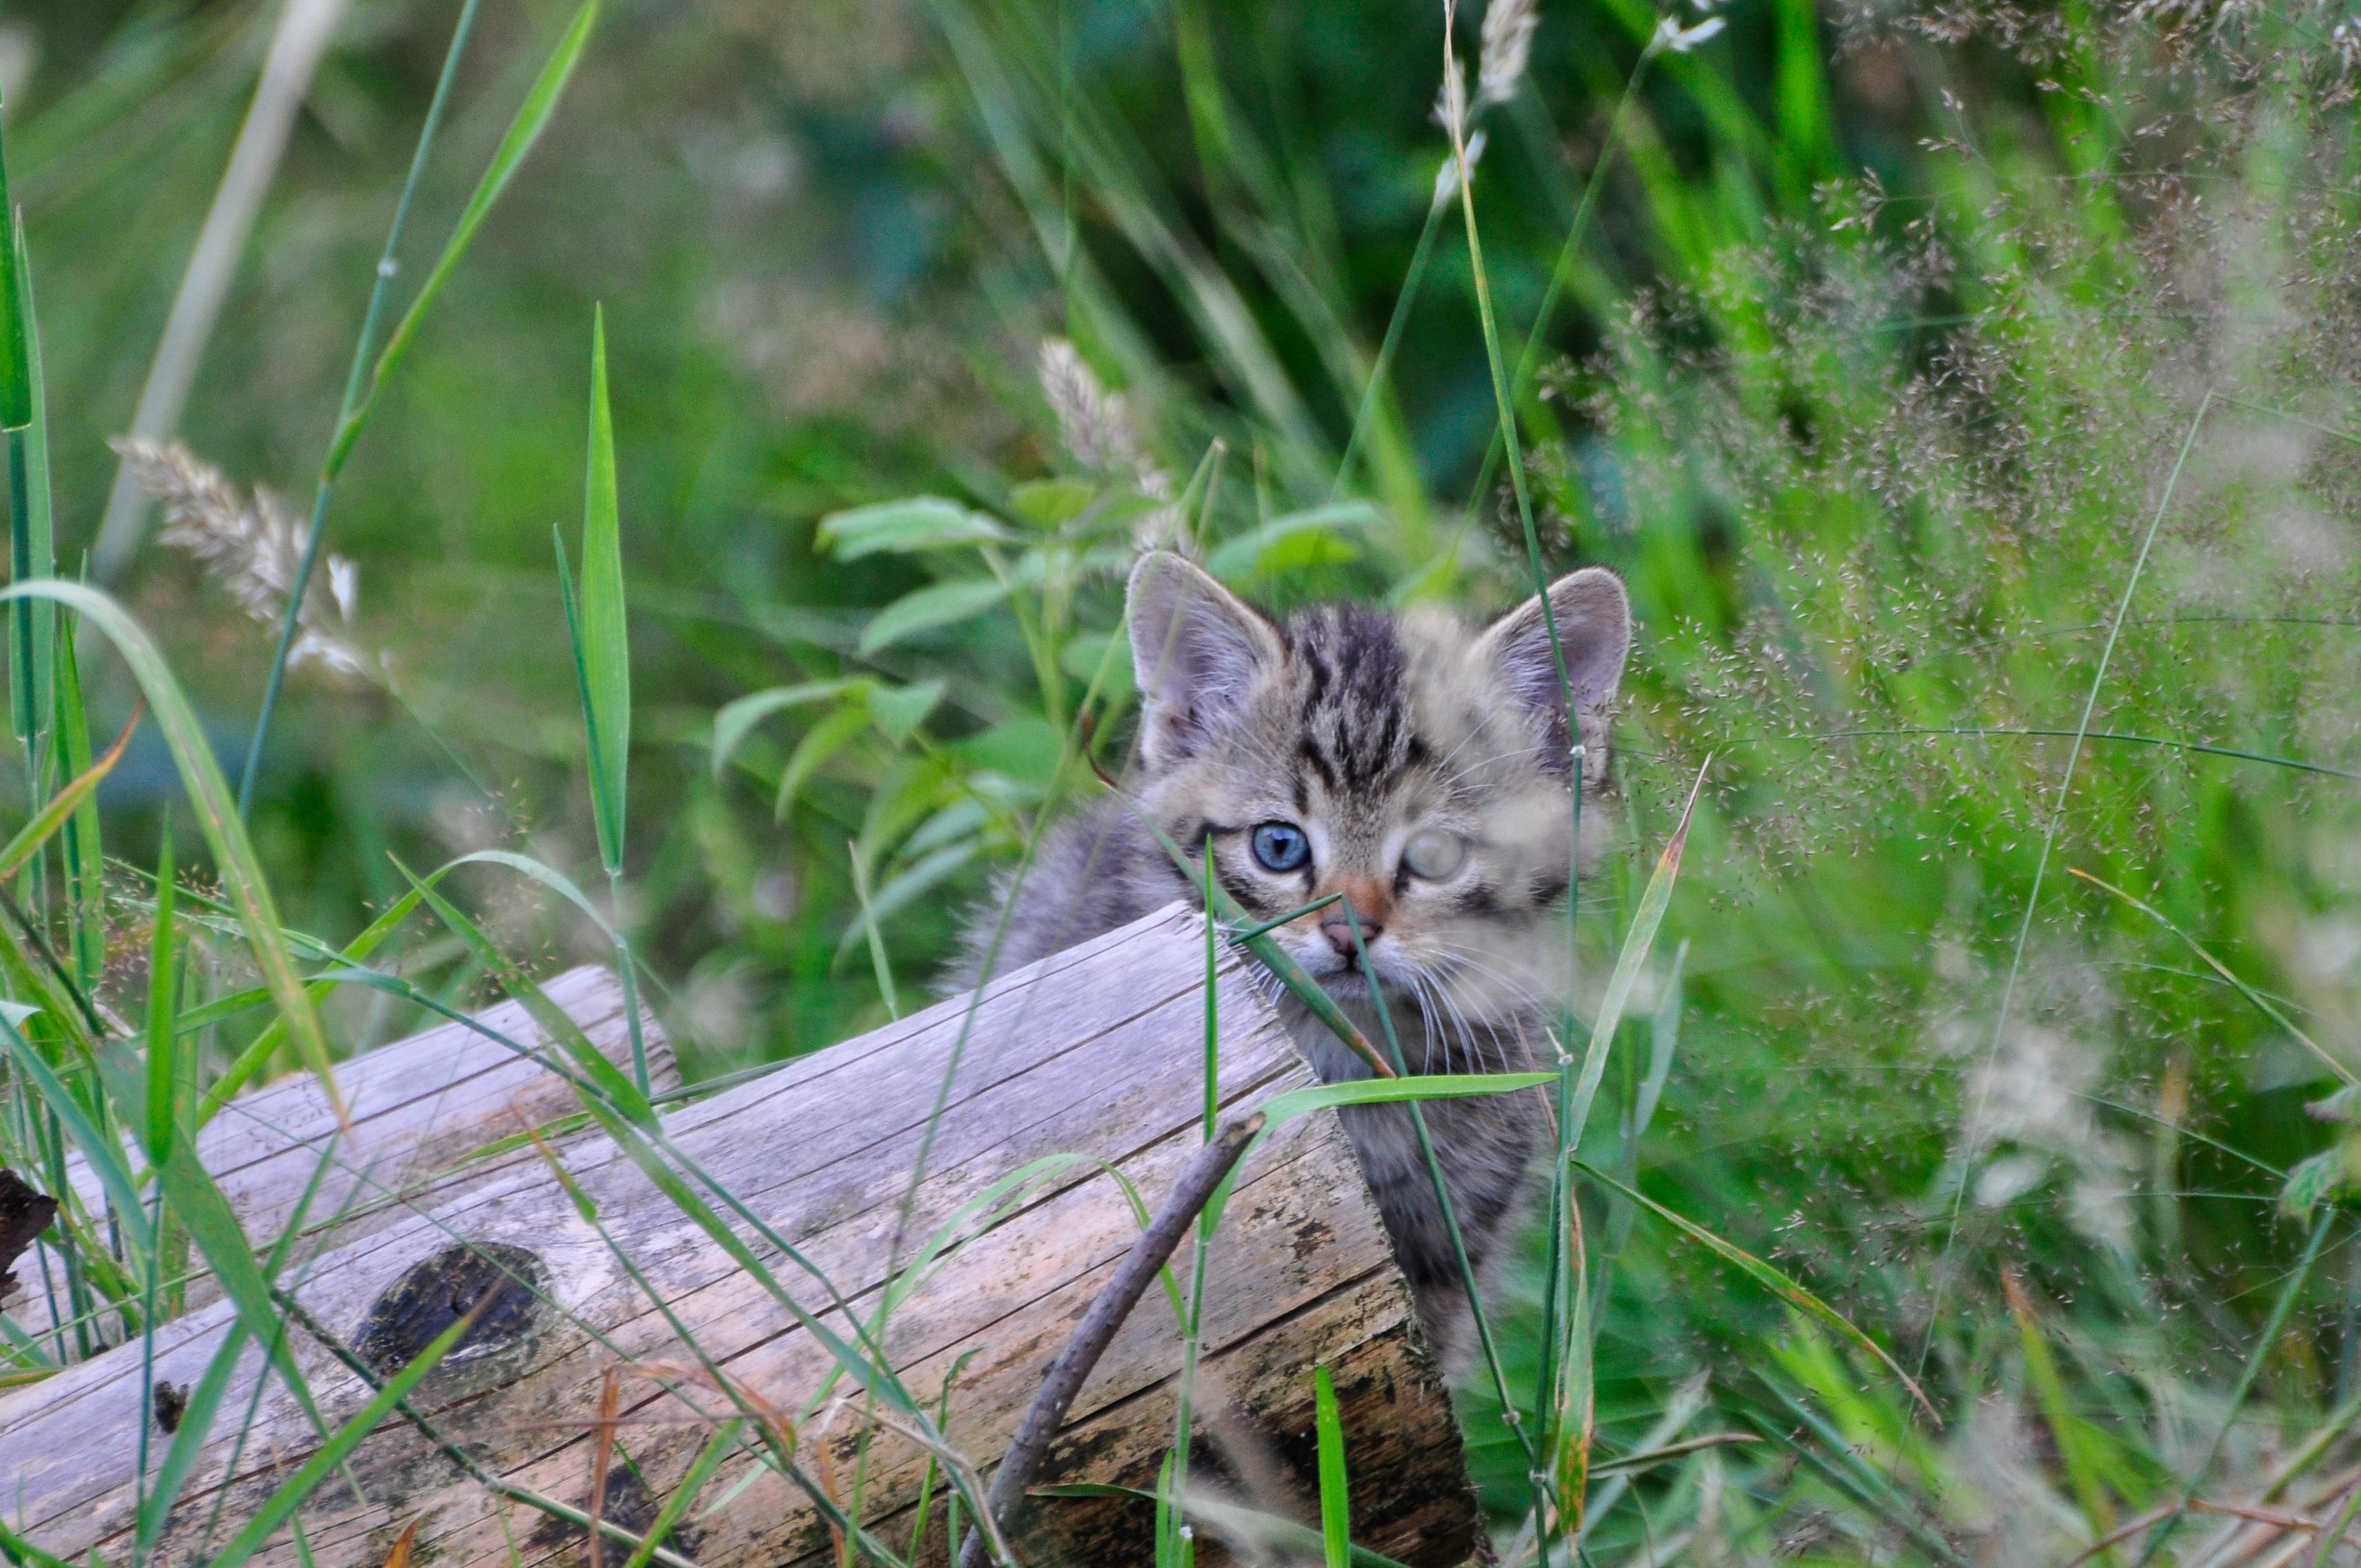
[(1097, 1051), (421, 1110)]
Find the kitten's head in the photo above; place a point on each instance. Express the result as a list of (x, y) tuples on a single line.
[(1420, 767)]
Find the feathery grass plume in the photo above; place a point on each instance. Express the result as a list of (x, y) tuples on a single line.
[(1450, 110), (1096, 428), (1508, 48), (1091, 421), (252, 547)]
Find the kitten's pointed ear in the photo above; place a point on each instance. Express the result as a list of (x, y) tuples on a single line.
[(1594, 627), (1196, 649)]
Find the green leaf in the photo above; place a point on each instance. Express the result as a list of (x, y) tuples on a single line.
[(1025, 748), (906, 527), (216, 811), (1281, 1109), (1084, 656), (736, 719), (899, 710), (1051, 503), (921, 876), (823, 741), (29, 838), (1335, 1503), (1770, 1278), (602, 651), (1314, 537), (531, 116), (922, 609)]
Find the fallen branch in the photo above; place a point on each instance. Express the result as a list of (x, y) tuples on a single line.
[(1150, 1253)]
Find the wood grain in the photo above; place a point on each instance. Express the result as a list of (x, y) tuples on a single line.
[(421, 1110), (1097, 1052)]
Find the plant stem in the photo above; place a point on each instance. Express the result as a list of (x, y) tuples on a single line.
[(356, 383)]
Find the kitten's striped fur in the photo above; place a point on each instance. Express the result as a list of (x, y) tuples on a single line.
[(1363, 728)]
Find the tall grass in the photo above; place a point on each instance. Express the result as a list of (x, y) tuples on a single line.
[(1989, 518)]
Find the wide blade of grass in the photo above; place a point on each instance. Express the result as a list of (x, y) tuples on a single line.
[(81, 848), (189, 1438), (601, 637), (281, 1506), (531, 117), (32, 527), (1335, 1502), (15, 329), (709, 1459), (62, 805), (216, 811), (104, 1153)]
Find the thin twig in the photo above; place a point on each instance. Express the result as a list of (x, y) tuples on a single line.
[(1147, 1256)]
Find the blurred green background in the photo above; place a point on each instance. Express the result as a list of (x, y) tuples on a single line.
[(1889, 333)]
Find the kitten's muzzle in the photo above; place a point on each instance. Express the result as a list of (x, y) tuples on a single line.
[(1339, 933)]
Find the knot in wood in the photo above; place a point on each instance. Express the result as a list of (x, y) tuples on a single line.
[(504, 1284)]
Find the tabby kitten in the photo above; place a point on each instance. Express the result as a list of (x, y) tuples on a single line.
[(1418, 767)]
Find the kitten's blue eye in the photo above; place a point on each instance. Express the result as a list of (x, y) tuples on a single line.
[(1281, 847)]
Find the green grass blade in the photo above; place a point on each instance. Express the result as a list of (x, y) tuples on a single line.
[(197, 1200), (61, 807), (81, 848), (877, 958), (260, 1051), (700, 1471), (1335, 1503), (2262, 1002), (189, 1441), (15, 329), (531, 117), (291, 1494), (103, 1153), (217, 810), (603, 642), (588, 1060), (163, 982), (1637, 944), (33, 535), (1770, 1278)]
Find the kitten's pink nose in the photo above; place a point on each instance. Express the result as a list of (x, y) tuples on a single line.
[(1340, 935)]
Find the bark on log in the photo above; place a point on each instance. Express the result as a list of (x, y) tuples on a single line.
[(419, 1108), (1098, 1050)]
